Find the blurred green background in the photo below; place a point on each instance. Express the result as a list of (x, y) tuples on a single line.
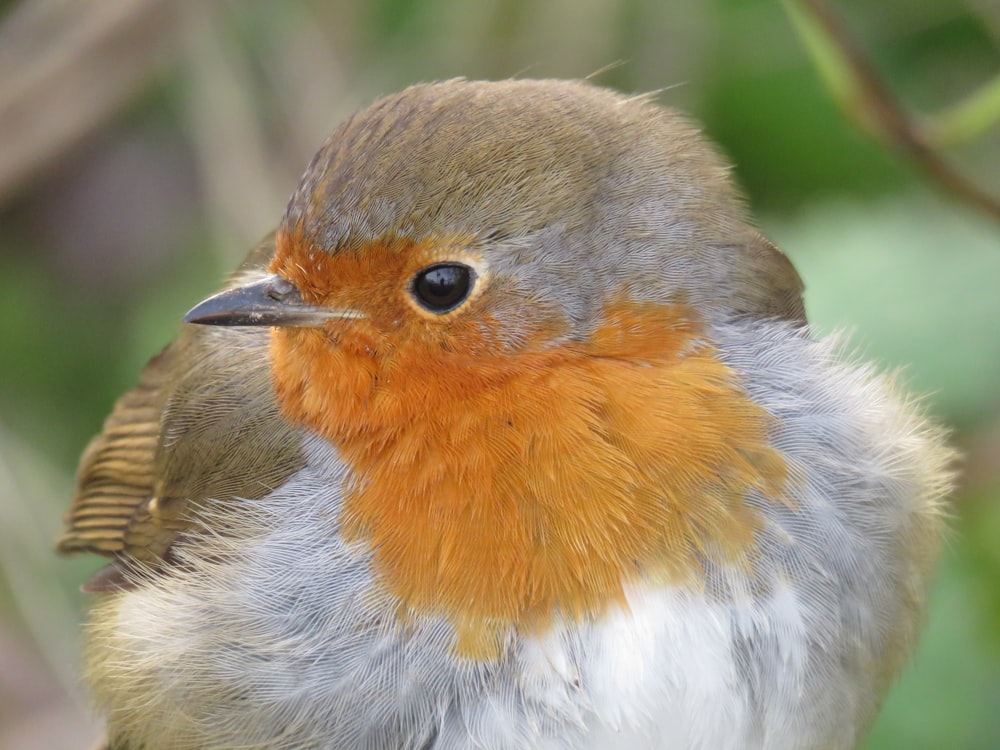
[(145, 144)]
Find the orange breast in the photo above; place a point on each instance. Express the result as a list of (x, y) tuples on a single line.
[(500, 490)]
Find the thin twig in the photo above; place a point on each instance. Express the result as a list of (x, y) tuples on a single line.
[(865, 98)]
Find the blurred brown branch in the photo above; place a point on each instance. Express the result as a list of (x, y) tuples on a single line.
[(865, 98), (67, 67)]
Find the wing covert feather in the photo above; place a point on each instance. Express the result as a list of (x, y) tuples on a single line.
[(202, 426)]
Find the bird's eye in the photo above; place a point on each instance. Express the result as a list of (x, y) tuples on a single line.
[(442, 287)]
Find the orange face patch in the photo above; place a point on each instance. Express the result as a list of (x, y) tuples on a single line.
[(502, 489)]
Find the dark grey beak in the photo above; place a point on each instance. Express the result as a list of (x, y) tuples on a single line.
[(272, 301)]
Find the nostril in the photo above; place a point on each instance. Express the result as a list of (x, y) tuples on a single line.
[(280, 288)]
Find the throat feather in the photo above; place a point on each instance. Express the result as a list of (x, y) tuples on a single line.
[(505, 491)]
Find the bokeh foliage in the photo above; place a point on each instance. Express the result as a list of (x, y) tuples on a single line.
[(138, 209)]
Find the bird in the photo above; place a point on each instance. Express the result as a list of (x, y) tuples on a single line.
[(514, 434)]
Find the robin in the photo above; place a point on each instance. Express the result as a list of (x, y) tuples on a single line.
[(513, 435)]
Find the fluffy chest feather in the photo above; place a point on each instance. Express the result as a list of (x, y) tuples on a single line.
[(293, 626), (502, 491), (279, 634)]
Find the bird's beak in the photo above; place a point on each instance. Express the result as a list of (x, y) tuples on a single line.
[(272, 301)]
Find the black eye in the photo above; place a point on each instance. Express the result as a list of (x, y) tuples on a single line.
[(442, 287)]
